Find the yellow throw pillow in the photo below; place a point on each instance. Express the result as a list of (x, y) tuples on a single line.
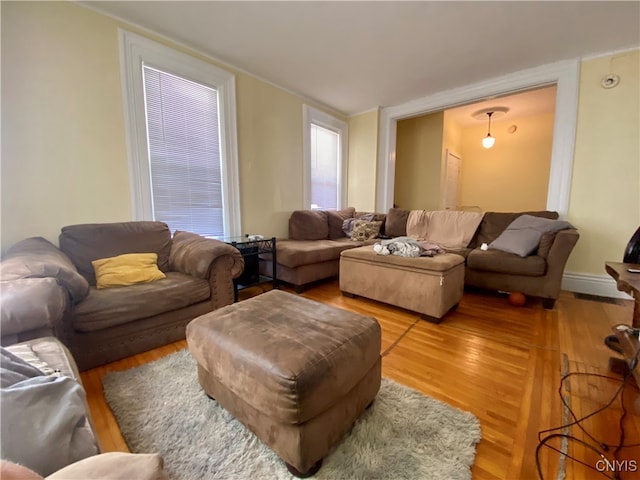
[(127, 269)]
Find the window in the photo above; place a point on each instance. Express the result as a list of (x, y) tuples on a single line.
[(325, 142), (182, 139)]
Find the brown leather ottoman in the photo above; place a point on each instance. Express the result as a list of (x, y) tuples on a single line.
[(296, 372)]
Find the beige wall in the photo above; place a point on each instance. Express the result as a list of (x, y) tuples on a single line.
[(419, 143), (513, 175), (63, 138), (363, 159), (605, 190), (63, 144)]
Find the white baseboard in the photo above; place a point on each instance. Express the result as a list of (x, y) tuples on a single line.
[(602, 285)]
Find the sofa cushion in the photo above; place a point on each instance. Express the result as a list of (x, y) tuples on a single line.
[(364, 230), (494, 223), (88, 242), (349, 223), (418, 224), (114, 466), (452, 229), (336, 219), (522, 236), (294, 253), (37, 257), (50, 351), (503, 262), (109, 307), (309, 225), (126, 269), (396, 223)]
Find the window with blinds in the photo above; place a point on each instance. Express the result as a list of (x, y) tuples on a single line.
[(184, 153), (325, 164), (325, 151), (182, 141)]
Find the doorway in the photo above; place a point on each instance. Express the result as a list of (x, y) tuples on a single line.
[(562, 74), (451, 182)]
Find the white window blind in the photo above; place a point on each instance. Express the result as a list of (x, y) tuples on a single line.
[(325, 139), (183, 139), (325, 165)]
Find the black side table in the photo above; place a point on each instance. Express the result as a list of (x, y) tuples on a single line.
[(251, 251)]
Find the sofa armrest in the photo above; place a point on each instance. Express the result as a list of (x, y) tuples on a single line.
[(557, 258), (209, 259), (30, 307), (36, 257), (196, 255)]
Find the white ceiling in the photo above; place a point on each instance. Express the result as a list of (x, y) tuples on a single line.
[(355, 56), (533, 102)]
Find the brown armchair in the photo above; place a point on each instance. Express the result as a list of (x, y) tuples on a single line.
[(104, 325)]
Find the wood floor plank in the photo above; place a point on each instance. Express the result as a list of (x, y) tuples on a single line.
[(502, 363)]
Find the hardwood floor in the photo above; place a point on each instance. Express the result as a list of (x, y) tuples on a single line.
[(502, 363)]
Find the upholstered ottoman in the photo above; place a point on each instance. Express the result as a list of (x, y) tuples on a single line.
[(296, 372), (429, 285)]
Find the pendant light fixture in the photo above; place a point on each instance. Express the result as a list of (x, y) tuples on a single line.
[(488, 141)]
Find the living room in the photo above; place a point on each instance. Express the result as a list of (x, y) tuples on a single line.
[(65, 162)]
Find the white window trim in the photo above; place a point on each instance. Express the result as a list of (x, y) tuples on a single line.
[(136, 50), (313, 115), (564, 74)]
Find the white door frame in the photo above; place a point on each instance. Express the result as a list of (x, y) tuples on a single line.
[(563, 74), (447, 173)]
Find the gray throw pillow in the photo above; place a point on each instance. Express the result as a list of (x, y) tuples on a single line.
[(523, 235)]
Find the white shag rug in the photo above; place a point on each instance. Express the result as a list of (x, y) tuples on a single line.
[(160, 407)]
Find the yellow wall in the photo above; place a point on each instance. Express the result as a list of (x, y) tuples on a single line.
[(363, 159), (451, 142), (419, 162), (63, 137), (605, 190), (513, 175), (63, 142)]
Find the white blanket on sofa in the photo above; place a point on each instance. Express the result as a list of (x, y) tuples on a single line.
[(449, 229), (40, 417), (406, 247)]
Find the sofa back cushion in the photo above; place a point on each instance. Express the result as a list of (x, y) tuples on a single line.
[(88, 242), (336, 220), (452, 229), (494, 223), (309, 225), (396, 223)]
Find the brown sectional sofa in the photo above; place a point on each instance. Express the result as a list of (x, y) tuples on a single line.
[(103, 325), (312, 252)]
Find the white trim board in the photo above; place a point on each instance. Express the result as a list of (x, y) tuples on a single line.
[(563, 74), (136, 51), (602, 285)]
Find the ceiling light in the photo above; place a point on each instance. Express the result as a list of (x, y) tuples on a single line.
[(488, 141)]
